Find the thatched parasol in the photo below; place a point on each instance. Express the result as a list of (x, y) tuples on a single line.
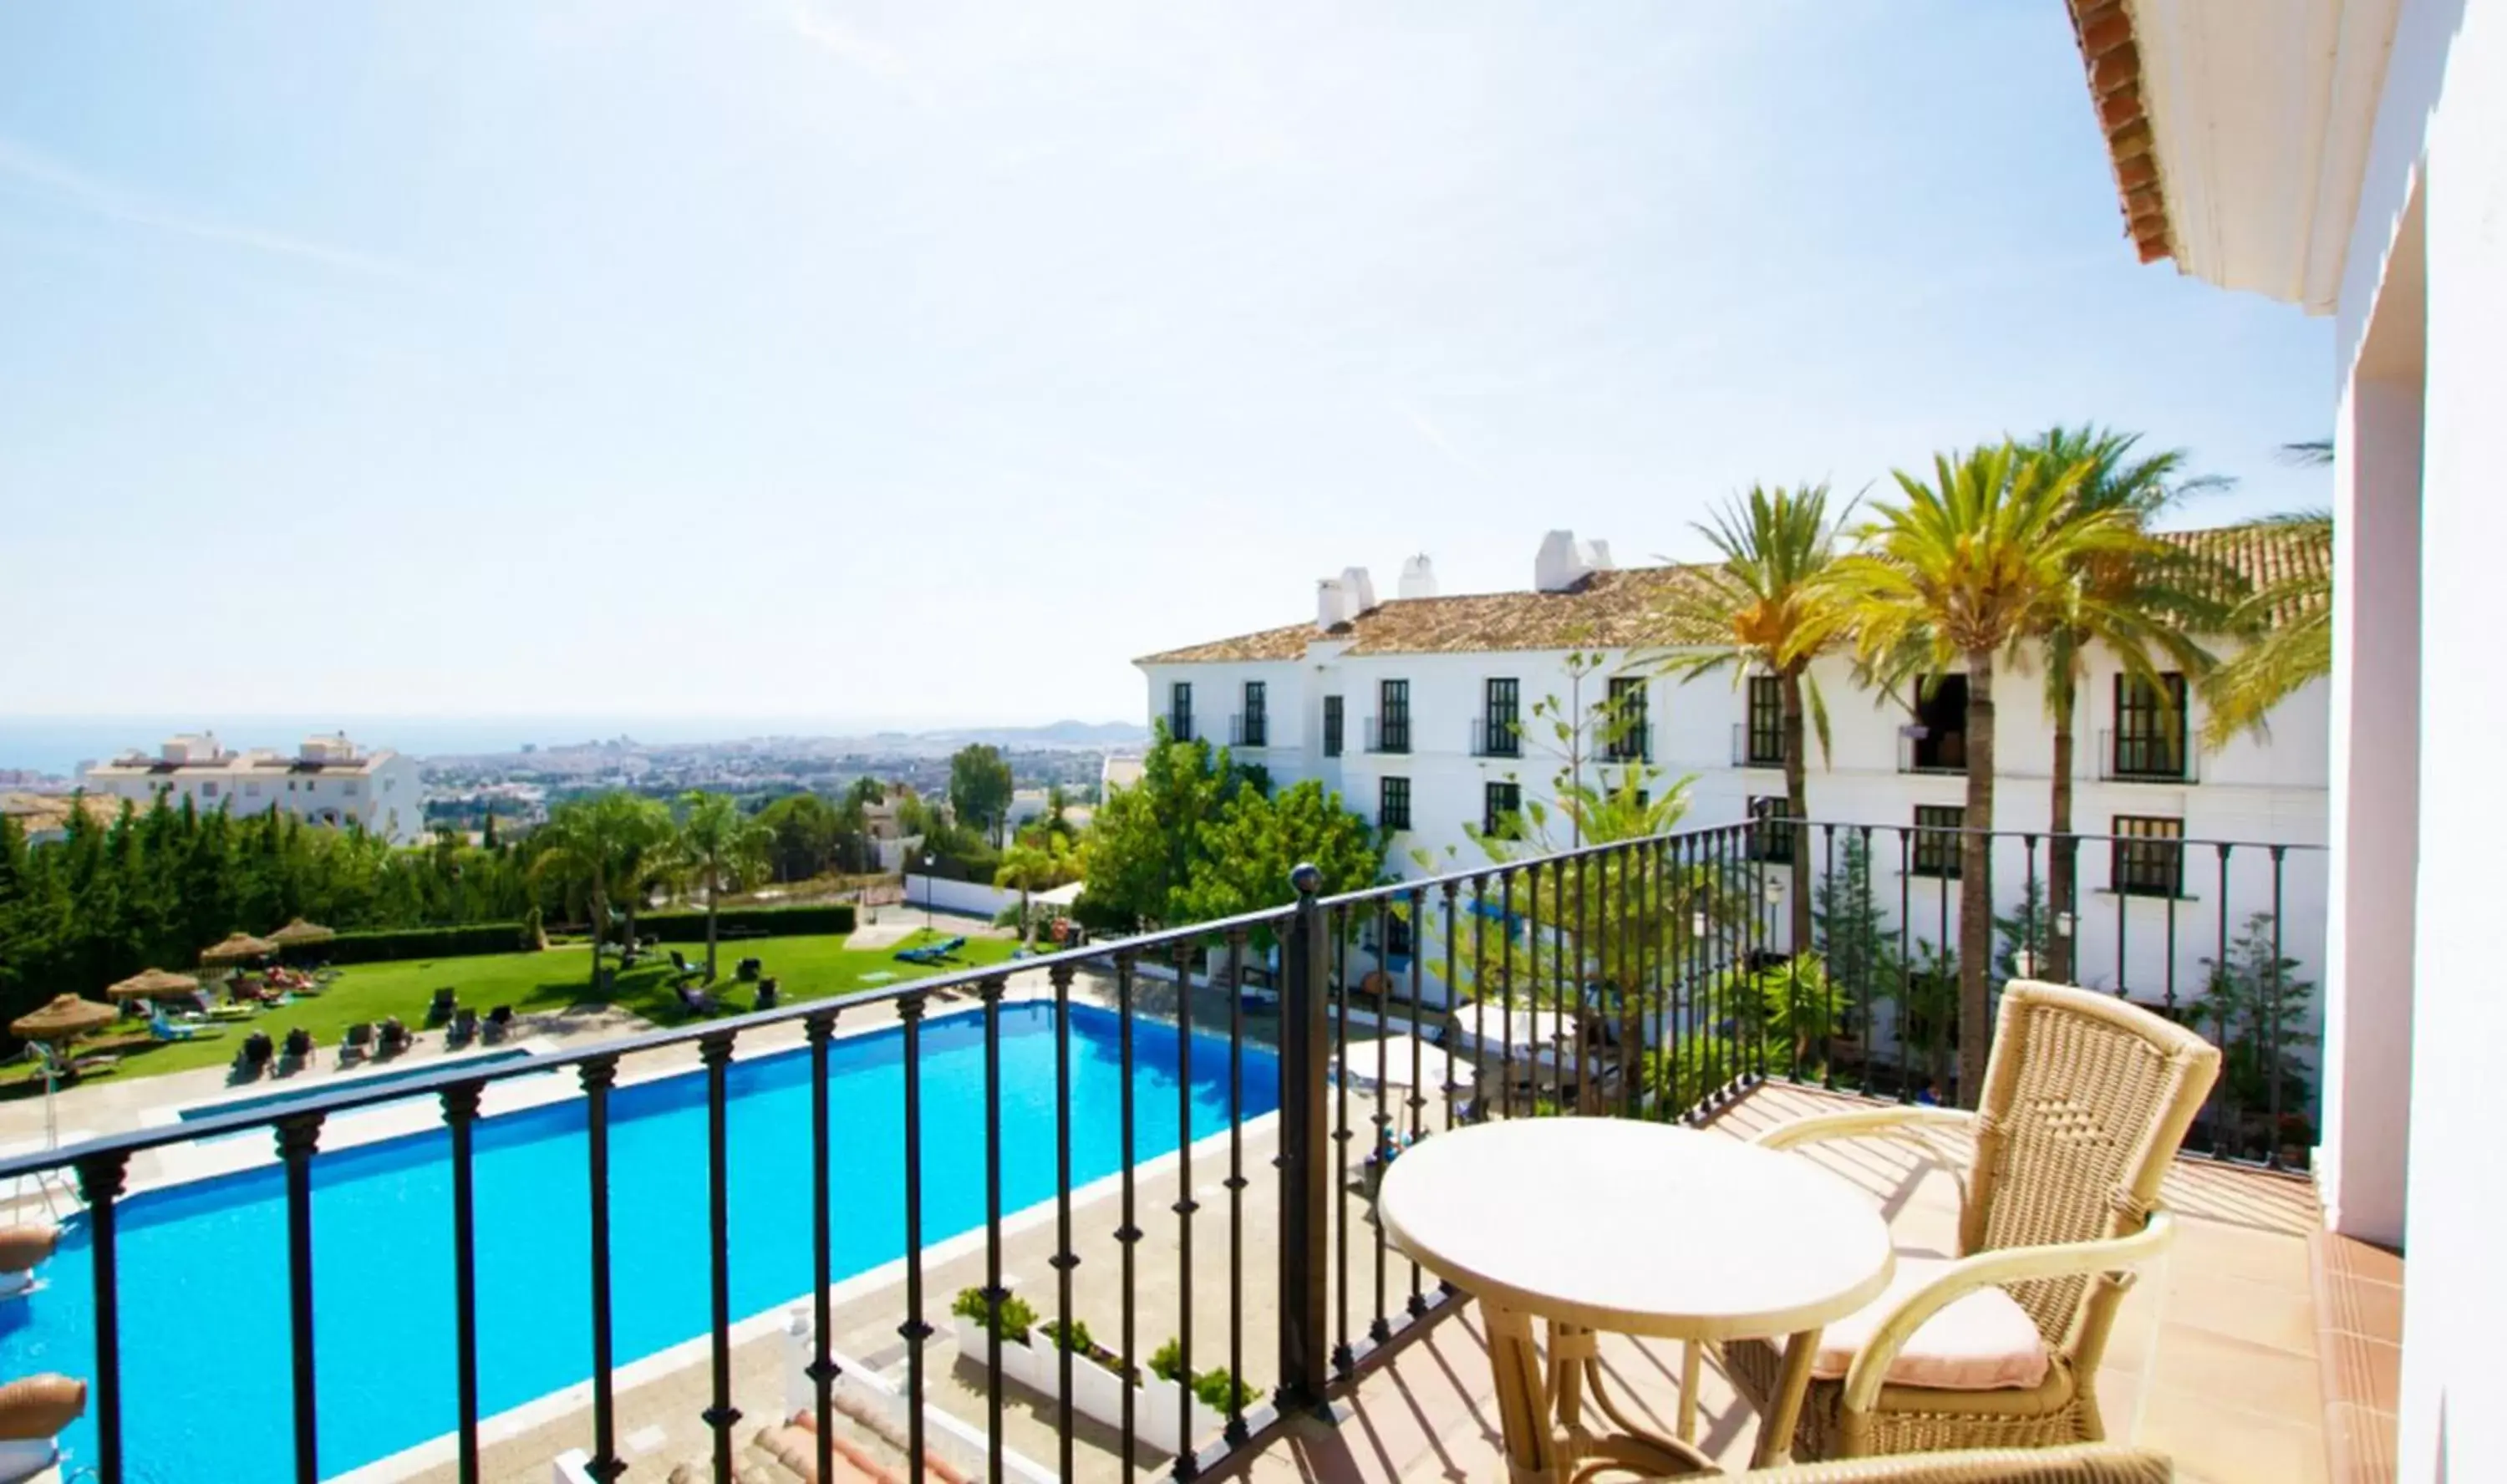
[(237, 947), (302, 931), (149, 983), (65, 1018)]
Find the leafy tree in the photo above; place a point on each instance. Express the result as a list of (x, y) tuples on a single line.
[(980, 788), (1142, 846), (1848, 926), (806, 832), (1243, 857), (2143, 607), (2257, 1007), (720, 849), (1764, 602), (602, 847), (1949, 575)]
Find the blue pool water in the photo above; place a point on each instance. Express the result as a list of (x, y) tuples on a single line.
[(203, 1298), (200, 1111)]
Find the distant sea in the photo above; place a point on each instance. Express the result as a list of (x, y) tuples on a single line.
[(60, 743)]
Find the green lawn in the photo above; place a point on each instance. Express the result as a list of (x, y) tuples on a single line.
[(813, 966)]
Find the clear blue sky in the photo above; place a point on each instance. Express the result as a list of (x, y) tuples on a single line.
[(922, 362)]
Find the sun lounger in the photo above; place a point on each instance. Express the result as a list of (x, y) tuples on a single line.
[(298, 1049), (358, 1041), (164, 1029), (696, 1001), (391, 1037), (440, 1009), (500, 1023), (464, 1027)]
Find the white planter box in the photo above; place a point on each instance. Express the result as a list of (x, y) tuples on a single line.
[(1159, 1410)]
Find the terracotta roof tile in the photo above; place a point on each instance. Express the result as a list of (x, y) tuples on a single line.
[(2268, 555), (1622, 609), (2112, 61)]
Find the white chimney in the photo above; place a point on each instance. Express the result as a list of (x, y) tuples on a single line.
[(1419, 577), (1331, 605), (1358, 588), (1565, 562)]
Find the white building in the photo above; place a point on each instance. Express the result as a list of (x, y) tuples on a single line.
[(1419, 711), (2350, 156), (327, 780)]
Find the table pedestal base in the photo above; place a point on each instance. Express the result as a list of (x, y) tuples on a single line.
[(1541, 1406)]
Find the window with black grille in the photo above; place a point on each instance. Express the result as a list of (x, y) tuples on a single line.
[(2150, 727), (1180, 710), (1502, 717), (1393, 805), (2149, 856), (1626, 721), (1393, 717), (1937, 841), (1767, 722), (1255, 729), (1331, 726), (1770, 839), (1501, 809)]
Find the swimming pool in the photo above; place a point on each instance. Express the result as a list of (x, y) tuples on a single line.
[(204, 1271), (199, 1110)]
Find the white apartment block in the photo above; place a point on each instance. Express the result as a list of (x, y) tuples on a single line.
[(1418, 710), (328, 780)]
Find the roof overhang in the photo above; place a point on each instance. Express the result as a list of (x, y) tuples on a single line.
[(2239, 133)]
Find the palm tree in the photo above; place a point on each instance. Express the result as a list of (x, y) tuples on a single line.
[(1035, 863), (1763, 602), (594, 846), (1954, 572), (2128, 605), (720, 849), (2288, 625)]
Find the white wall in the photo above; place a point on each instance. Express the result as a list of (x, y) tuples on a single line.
[(2264, 792), (971, 898), (2456, 1301)]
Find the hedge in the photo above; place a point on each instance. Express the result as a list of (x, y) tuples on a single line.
[(507, 937), (690, 927), (418, 943)]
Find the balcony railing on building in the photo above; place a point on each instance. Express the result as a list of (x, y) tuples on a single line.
[(1654, 978), (1497, 736), (1923, 749), (1387, 733), (2131, 757), (1755, 747), (1249, 729)]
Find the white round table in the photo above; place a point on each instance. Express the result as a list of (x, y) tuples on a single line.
[(1638, 1228)]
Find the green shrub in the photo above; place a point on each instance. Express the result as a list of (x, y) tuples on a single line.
[(1015, 1320), (421, 943), (679, 926), (1220, 1391), (1079, 1341), (1168, 1362)]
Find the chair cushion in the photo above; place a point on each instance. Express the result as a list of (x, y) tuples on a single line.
[(1982, 1342)]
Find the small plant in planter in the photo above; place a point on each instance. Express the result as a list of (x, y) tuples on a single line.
[(1216, 1388), (1012, 1321), (1081, 1342)]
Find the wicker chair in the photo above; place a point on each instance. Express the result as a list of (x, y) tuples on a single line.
[(2084, 1103)]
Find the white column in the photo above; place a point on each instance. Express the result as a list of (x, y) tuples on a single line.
[(2375, 809)]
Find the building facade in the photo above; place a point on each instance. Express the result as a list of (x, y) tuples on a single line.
[(328, 780), (1435, 717)]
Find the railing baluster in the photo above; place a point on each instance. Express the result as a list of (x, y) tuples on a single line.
[(915, 1329), (2224, 1138), (2271, 1022), (298, 1138), (1128, 1234), (100, 1181), (599, 1075), (1064, 1258), (1905, 966), (989, 992), (1866, 937), (1379, 1328), (714, 1049), (460, 1116), (1506, 986), (1342, 1357), (1186, 1464), (821, 1370), (1304, 1168), (1236, 1432)]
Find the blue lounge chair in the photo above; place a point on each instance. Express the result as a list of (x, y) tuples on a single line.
[(164, 1030)]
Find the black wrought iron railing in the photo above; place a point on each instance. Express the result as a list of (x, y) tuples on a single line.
[(1649, 978), (1498, 735)]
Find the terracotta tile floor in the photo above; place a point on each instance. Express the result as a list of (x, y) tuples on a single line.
[(2213, 1358)]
